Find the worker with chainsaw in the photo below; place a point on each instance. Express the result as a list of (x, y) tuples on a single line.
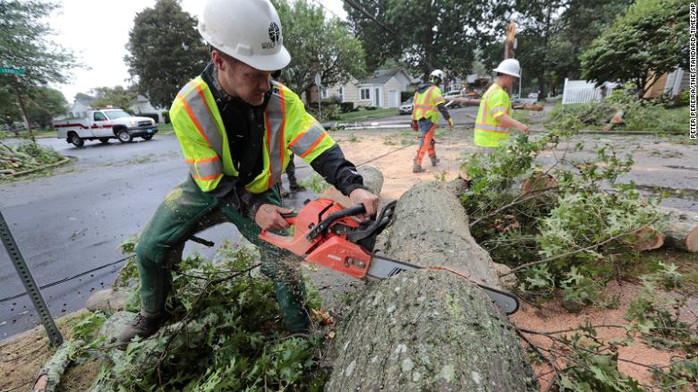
[(494, 122), (237, 129), (426, 105)]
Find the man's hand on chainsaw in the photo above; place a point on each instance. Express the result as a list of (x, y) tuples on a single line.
[(268, 217), (368, 199)]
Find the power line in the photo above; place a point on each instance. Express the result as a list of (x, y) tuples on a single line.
[(68, 278), (354, 5)]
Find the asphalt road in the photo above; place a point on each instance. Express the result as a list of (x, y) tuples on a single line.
[(75, 221)]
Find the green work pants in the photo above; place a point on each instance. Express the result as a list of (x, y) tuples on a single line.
[(187, 210)]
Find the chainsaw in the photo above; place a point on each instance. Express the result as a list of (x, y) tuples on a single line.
[(327, 234)]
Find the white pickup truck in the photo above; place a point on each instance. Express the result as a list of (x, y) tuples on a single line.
[(105, 124)]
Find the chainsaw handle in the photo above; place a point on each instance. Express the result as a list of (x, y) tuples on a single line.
[(325, 223), (290, 217)]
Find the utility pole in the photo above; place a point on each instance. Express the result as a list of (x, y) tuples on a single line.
[(510, 46), (510, 42)]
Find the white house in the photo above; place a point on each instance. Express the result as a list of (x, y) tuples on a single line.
[(81, 105), (84, 102), (142, 105), (382, 89)]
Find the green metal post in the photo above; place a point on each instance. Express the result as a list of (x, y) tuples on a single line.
[(25, 275)]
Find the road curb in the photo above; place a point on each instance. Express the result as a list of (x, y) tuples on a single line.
[(22, 173)]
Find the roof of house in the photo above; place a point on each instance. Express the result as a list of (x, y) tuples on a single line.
[(382, 76), (85, 99)]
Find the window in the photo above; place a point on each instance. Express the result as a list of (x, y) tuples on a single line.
[(99, 116), (341, 93), (325, 93), (365, 93)]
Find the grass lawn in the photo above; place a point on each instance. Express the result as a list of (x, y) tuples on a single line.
[(363, 114)]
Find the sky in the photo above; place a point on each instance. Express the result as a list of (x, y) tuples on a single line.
[(96, 31)]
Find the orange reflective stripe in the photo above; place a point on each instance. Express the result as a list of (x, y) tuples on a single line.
[(307, 139), (195, 121), (498, 109), (314, 145), (211, 159), (489, 128), (208, 178)]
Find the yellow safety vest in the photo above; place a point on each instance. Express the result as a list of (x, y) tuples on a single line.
[(204, 142), (495, 102), (425, 105)]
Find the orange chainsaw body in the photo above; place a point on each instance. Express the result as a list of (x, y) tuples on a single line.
[(329, 248)]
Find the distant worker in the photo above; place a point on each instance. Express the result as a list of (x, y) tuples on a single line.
[(293, 184), (427, 104), (494, 115)]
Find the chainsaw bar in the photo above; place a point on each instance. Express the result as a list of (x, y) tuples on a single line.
[(384, 268)]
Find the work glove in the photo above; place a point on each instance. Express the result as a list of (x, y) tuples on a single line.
[(414, 126), (450, 123)]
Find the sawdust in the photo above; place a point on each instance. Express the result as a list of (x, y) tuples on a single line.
[(393, 156)]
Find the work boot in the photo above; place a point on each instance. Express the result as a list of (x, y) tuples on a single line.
[(417, 168), (435, 161), (144, 325)]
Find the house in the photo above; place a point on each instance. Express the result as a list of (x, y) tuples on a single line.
[(84, 102), (669, 84), (81, 105), (141, 105), (382, 89)]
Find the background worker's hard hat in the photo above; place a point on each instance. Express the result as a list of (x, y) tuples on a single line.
[(247, 30), (509, 67), (437, 74)]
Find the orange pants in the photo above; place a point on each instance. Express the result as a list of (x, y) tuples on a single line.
[(426, 145)]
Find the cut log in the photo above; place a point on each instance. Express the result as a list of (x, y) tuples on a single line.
[(527, 106), (430, 330), (373, 180), (681, 231), (49, 377), (647, 238), (539, 184)]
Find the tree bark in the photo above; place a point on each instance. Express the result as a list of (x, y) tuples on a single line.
[(430, 330), (682, 229)]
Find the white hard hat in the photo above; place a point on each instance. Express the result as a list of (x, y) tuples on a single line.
[(247, 30), (509, 67), (437, 73)]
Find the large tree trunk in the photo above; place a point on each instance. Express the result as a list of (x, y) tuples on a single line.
[(430, 330), (682, 229)]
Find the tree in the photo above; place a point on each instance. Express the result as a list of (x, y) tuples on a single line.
[(117, 97), (579, 25), (319, 46), (24, 39), (650, 39), (44, 105), (425, 34), (380, 42), (166, 51)]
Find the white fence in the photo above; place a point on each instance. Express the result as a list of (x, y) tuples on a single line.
[(581, 91)]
